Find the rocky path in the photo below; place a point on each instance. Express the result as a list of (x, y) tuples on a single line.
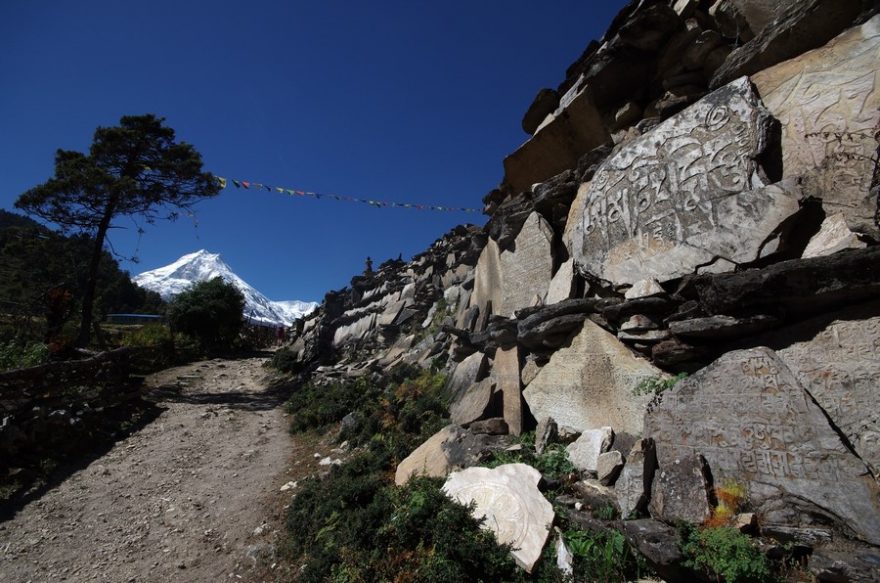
[(193, 496)]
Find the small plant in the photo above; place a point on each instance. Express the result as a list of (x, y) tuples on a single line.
[(726, 555), (553, 462), (657, 385), (603, 557), (731, 496), (606, 512), (14, 355)]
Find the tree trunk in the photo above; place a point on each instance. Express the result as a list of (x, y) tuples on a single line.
[(85, 326)]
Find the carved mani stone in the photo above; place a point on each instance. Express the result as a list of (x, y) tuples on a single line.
[(753, 422), (683, 194), (828, 102), (527, 269), (514, 509), (838, 362), (506, 371), (590, 384)]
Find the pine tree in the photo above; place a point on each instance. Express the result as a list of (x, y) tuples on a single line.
[(134, 169)]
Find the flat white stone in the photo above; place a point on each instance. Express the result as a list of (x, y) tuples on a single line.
[(507, 497)]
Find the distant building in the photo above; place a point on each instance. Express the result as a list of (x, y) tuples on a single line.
[(134, 318)]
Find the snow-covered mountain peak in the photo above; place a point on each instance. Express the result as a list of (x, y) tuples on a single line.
[(203, 265)]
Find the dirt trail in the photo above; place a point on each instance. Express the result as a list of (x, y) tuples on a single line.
[(193, 496)]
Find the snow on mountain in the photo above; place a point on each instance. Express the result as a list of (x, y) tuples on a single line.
[(202, 265)]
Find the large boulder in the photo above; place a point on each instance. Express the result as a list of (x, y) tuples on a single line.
[(590, 384), (835, 358), (526, 270), (800, 25), (431, 458), (684, 194), (513, 507), (828, 102), (752, 420), (487, 281), (557, 145)]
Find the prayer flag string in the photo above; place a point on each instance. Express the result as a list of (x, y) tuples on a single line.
[(247, 185)]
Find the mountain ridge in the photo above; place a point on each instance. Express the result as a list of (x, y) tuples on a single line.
[(202, 265)]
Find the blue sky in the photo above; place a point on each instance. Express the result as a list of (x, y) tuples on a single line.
[(398, 100)]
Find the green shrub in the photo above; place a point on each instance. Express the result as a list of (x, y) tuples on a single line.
[(657, 385), (603, 557), (211, 312), (149, 336), (285, 360), (553, 462), (15, 355), (354, 525), (725, 554)]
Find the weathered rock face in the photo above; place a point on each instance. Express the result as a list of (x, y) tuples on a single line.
[(506, 371), (556, 146), (837, 362), (750, 418), (487, 281), (589, 384), (514, 509), (472, 404), (683, 194), (633, 487), (681, 492), (827, 101), (800, 25), (527, 269)]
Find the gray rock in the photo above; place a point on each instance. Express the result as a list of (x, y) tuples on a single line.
[(526, 270), (721, 327), (644, 288), (650, 27), (608, 467), (585, 451), (634, 224), (493, 426), (506, 372), (660, 545), (562, 284), (633, 487), (466, 373), (431, 458), (833, 236), (487, 283), (800, 25), (835, 358), (546, 432), (556, 146), (589, 384), (846, 564), (513, 507), (544, 104), (828, 103), (595, 495), (681, 491), (751, 419), (472, 404)]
